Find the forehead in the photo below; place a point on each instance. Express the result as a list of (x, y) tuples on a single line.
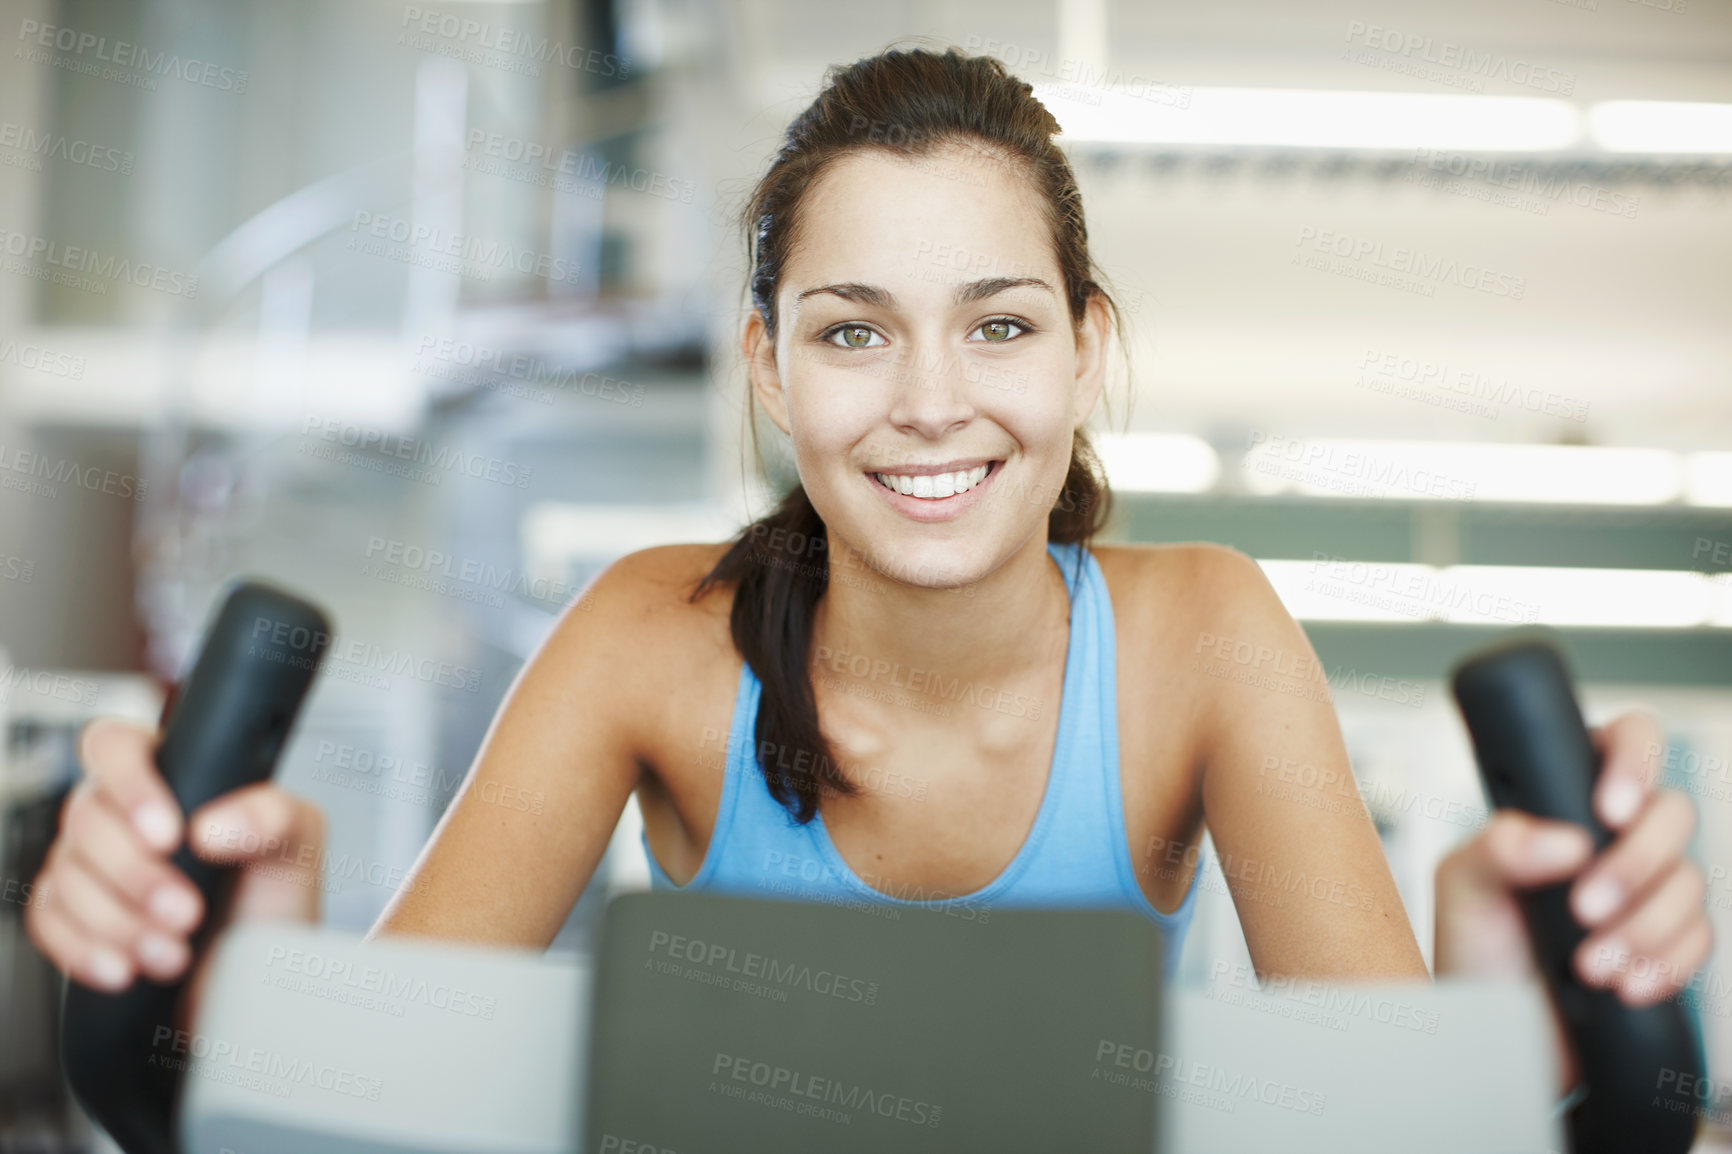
[(919, 225)]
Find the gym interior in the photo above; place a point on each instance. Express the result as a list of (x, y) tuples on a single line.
[(431, 312)]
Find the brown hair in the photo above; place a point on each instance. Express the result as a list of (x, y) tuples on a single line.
[(908, 102)]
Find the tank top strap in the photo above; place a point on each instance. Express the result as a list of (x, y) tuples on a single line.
[(743, 785), (1104, 759)]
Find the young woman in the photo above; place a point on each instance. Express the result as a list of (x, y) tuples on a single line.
[(916, 680)]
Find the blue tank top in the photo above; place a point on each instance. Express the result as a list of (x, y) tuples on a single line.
[(1075, 854)]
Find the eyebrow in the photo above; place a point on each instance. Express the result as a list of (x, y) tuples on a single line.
[(883, 298)]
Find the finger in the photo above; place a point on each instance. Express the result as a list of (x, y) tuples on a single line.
[(108, 845), (1522, 851), (103, 918), (1479, 926), (1644, 978), (120, 759), (1648, 848), (265, 825), (1632, 747), (248, 824), (1678, 964), (73, 952), (98, 911), (1659, 918)]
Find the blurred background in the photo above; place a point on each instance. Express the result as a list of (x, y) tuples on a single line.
[(429, 311)]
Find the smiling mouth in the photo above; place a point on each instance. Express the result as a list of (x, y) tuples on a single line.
[(936, 486)]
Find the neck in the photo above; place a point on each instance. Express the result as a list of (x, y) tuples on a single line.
[(873, 629)]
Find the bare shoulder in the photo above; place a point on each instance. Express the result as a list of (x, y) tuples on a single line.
[(1214, 586), (1207, 624), (637, 639), (644, 600), (658, 580), (1173, 605)]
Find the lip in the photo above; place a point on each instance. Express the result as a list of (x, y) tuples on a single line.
[(935, 508), (961, 466)]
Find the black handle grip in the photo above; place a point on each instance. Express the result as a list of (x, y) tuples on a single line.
[(1535, 755), (229, 721)]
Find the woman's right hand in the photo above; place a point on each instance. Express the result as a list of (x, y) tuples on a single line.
[(108, 905)]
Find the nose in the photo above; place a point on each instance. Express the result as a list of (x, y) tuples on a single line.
[(930, 395)]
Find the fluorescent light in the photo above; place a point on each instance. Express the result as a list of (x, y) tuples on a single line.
[(1660, 126), (1709, 480), (1313, 118), (1347, 590), (1721, 585), (1387, 121), (1463, 471), (1500, 595), (1635, 598), (1158, 462)]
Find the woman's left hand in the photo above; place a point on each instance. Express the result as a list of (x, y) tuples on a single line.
[(1641, 900)]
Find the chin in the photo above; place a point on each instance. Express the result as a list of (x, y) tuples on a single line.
[(936, 566)]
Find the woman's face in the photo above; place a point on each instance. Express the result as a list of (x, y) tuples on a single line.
[(925, 363)]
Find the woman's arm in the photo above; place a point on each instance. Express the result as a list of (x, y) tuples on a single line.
[(1299, 852), (518, 844)]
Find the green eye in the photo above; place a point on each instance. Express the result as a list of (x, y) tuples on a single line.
[(1001, 329), (853, 336)]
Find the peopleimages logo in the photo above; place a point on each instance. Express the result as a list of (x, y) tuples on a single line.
[(804, 1090), (88, 47), (928, 683), (446, 458), (269, 1071), (382, 981), (464, 33), (1543, 183), (490, 362), (75, 259), (588, 171), (53, 472), (42, 360), (353, 660), (1087, 81), (1349, 471), (729, 960), (466, 255), (1327, 997), (19, 893), (58, 686), (382, 774), (1459, 388), (1119, 1062), (55, 147), (614, 1144), (358, 660), (1473, 65), (1411, 262), (1413, 593), (484, 575)]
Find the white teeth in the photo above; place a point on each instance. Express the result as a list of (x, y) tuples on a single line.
[(933, 486)]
